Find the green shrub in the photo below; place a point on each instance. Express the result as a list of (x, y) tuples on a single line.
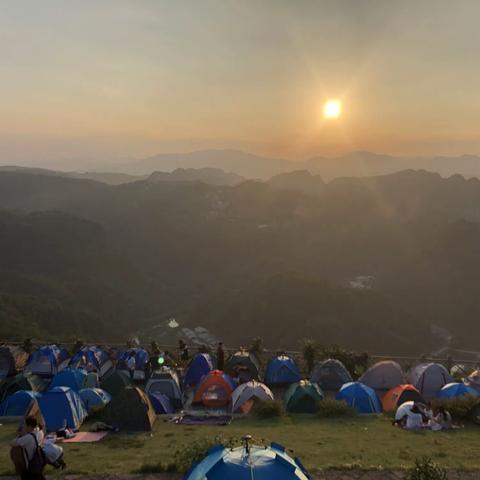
[(269, 409), (330, 408), (425, 469), (459, 407)]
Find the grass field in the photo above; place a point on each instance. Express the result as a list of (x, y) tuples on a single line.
[(358, 442)]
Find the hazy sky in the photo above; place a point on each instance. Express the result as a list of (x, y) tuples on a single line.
[(117, 78)]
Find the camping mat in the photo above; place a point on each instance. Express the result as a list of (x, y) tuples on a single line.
[(86, 437), (202, 420)]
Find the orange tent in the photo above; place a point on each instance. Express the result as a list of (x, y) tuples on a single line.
[(214, 390), (400, 394)]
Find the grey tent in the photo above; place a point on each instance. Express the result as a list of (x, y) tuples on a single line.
[(165, 381), (383, 375), (247, 394), (330, 374), (429, 378)]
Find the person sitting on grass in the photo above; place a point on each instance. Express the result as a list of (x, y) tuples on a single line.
[(442, 420), (414, 419)]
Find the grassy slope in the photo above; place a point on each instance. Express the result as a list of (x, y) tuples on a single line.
[(359, 442)]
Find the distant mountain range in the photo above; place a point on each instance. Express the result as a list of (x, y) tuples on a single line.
[(353, 164)]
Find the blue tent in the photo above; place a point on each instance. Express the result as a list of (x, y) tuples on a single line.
[(452, 390), (17, 405), (47, 360), (360, 397), (94, 399), (258, 463), (93, 359), (73, 378), (200, 365), (161, 403), (62, 407), (280, 370)]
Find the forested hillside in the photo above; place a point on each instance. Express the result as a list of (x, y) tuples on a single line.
[(279, 259)]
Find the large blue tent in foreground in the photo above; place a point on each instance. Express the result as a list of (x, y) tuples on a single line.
[(248, 463)]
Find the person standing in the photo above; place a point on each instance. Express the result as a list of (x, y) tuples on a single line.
[(220, 356), (183, 350)]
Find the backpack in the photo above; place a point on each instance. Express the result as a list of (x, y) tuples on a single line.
[(38, 461), (17, 456)]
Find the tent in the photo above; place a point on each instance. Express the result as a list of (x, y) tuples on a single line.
[(94, 399), (303, 397), (22, 382), (165, 381), (33, 411), (247, 394), (383, 375), (130, 410), (12, 360), (91, 380), (73, 378), (453, 390), (18, 404), (92, 359), (161, 403), (429, 378), (115, 382), (47, 361), (404, 409), (360, 397), (141, 361), (214, 390), (330, 374), (400, 394), (62, 407), (282, 370), (248, 463), (199, 366), (242, 365)]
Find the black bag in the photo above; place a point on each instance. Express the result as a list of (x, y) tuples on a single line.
[(39, 460)]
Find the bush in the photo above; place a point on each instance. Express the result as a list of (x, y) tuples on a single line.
[(269, 409), (330, 408), (425, 469), (459, 407)]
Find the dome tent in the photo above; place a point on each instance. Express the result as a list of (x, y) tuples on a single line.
[(94, 399), (199, 366), (360, 397), (12, 360), (453, 390), (330, 374), (429, 378), (303, 397), (383, 375), (62, 407), (165, 381), (246, 394), (73, 378), (282, 370), (215, 390), (22, 381), (398, 395), (18, 404), (243, 365), (130, 410), (248, 462), (115, 382), (92, 359), (47, 361)]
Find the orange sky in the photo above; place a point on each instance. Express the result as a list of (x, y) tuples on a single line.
[(132, 78)]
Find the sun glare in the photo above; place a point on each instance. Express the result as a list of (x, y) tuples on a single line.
[(332, 109)]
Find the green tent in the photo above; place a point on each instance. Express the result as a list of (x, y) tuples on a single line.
[(22, 382), (243, 365), (115, 382), (130, 410), (303, 397)]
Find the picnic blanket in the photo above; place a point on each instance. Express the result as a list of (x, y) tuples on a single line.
[(86, 437), (202, 420)]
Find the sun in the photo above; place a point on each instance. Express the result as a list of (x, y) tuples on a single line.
[(332, 109)]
